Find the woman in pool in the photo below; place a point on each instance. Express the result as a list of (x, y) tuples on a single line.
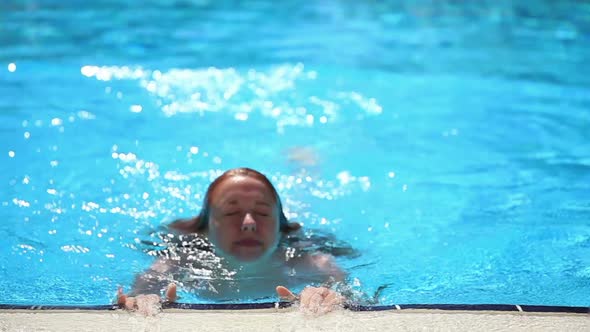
[(242, 222)]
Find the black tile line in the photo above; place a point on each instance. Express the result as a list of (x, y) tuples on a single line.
[(540, 308), (226, 306), (474, 307), (465, 307), (352, 307), (57, 307)]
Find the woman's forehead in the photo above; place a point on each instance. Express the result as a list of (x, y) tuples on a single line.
[(241, 187)]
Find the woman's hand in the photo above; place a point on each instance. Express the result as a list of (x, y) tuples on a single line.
[(148, 304), (315, 300)]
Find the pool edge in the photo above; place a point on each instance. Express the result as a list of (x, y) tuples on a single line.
[(290, 319)]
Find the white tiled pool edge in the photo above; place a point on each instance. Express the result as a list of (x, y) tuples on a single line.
[(290, 320)]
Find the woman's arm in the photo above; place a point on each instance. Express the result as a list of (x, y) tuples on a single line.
[(145, 295), (155, 279), (325, 265)]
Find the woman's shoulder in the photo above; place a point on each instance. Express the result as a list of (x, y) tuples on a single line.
[(184, 225), (314, 242)]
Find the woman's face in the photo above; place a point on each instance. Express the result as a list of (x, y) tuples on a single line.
[(244, 219)]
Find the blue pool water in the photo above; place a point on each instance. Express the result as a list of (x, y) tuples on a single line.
[(448, 141)]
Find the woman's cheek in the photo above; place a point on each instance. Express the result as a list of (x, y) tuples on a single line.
[(221, 235)]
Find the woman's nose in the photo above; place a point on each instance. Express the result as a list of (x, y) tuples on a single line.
[(249, 224)]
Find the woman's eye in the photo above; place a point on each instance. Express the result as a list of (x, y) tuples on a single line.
[(231, 213), (262, 214)]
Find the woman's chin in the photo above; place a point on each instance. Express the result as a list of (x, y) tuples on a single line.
[(249, 255)]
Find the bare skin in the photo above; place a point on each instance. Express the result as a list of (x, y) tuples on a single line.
[(312, 300), (244, 228), (148, 304)]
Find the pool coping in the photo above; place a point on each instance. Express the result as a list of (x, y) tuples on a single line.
[(276, 317)]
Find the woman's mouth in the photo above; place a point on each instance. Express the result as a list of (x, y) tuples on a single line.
[(248, 243)]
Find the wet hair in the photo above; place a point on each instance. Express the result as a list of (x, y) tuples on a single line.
[(201, 221)]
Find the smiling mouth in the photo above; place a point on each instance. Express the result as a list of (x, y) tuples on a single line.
[(248, 243)]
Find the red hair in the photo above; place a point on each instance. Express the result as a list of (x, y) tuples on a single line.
[(201, 221)]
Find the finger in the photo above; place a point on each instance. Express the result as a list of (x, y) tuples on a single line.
[(331, 302), (333, 298), (130, 303), (324, 309), (306, 295), (121, 298), (316, 301), (324, 291), (171, 292), (285, 294)]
